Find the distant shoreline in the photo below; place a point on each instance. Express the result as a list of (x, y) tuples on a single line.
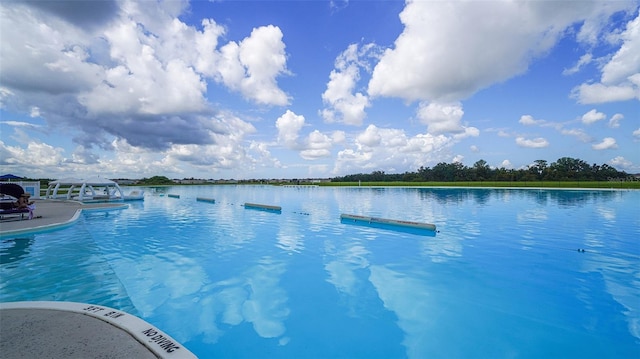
[(496, 184), (603, 185)]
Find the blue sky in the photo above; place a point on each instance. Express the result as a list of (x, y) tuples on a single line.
[(299, 89)]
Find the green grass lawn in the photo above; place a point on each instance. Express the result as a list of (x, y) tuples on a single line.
[(529, 184)]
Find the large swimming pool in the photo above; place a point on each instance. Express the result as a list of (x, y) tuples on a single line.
[(511, 273)]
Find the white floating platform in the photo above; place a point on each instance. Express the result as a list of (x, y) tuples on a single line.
[(205, 199), (262, 206), (393, 222)]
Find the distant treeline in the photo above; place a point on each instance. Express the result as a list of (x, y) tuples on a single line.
[(564, 169), (156, 181)]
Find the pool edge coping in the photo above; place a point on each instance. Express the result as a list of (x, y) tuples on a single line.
[(155, 340), (59, 225)]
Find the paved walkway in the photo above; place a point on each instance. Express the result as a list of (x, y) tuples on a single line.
[(51, 214)]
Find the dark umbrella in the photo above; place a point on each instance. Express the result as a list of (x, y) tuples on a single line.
[(9, 177), (11, 189)]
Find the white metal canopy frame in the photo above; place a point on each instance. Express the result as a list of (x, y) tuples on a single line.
[(86, 189)]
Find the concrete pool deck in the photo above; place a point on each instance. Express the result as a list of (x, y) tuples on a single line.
[(60, 330), (51, 214), (74, 330)]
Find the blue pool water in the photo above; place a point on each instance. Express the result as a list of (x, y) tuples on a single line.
[(504, 277)]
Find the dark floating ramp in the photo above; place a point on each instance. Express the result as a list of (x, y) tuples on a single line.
[(387, 222), (205, 199), (78, 330), (173, 195), (264, 207)]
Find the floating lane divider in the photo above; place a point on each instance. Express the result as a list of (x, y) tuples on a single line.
[(393, 222), (204, 199), (173, 195), (264, 207)]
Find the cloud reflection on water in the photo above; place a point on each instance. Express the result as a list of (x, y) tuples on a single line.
[(172, 281), (289, 237), (346, 260), (621, 276), (409, 298), (254, 297)]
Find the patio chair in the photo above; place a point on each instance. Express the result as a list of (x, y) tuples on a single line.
[(8, 206), (15, 212)]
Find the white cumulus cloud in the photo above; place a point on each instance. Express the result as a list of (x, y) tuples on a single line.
[(370, 137), (315, 145), (626, 62), (607, 143), (506, 164), (318, 145), (289, 126), (478, 50), (621, 162), (620, 79), (528, 120), (576, 132), (343, 104), (583, 61), (600, 93), (136, 72), (592, 117), (538, 142), (441, 117), (614, 121), (252, 65), (392, 150)]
